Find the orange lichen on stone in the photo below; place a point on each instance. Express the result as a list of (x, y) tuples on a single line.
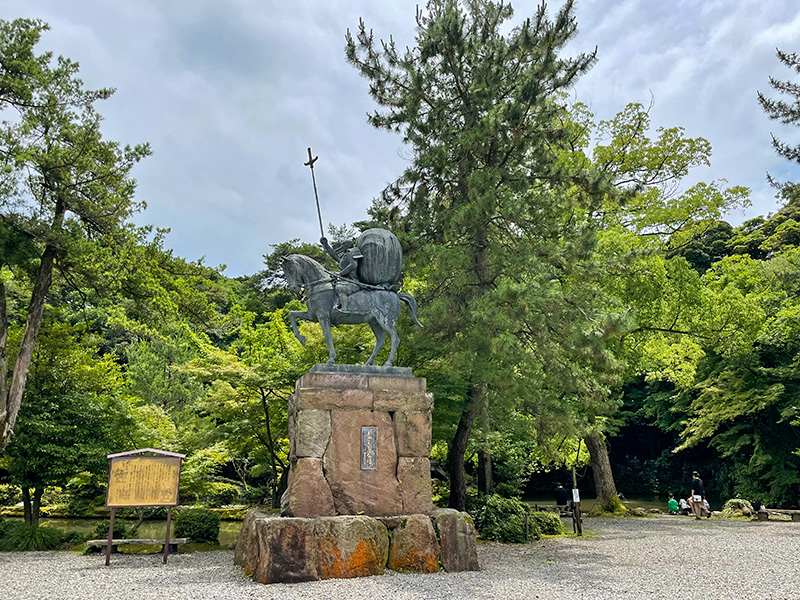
[(413, 562), (364, 560)]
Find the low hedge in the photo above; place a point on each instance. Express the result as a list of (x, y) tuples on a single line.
[(548, 523), (198, 524), (501, 519)]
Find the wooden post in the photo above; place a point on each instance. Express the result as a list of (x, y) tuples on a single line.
[(166, 541), (110, 536), (526, 528)]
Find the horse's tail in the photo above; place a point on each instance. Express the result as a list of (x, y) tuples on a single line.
[(412, 306)]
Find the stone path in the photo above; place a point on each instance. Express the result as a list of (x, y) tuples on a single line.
[(664, 557)]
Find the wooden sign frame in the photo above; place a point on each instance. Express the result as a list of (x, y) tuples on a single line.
[(148, 495)]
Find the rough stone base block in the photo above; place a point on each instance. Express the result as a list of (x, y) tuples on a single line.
[(350, 547), (457, 539), (240, 552), (283, 549), (414, 548)]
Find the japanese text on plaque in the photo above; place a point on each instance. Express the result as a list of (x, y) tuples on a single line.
[(369, 447), (144, 481)]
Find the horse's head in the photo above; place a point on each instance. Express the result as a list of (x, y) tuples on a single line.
[(291, 273), (299, 270)]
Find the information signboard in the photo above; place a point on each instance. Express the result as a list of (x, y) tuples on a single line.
[(143, 481), (145, 477)]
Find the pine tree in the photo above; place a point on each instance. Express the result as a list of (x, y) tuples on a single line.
[(496, 225), (788, 113), (63, 185)]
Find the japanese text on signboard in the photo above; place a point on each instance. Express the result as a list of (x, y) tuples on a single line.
[(144, 481)]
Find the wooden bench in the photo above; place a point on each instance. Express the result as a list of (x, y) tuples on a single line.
[(173, 543), (563, 511), (764, 513)]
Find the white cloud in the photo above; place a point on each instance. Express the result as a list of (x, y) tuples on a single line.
[(231, 93)]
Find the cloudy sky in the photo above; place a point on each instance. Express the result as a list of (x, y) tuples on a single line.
[(230, 93)]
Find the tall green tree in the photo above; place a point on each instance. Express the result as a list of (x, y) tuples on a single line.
[(744, 402), (63, 184), (486, 211)]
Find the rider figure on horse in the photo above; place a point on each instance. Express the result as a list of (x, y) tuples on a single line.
[(347, 255)]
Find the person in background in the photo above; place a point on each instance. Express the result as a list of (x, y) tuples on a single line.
[(685, 509), (562, 495), (697, 496), (672, 505)]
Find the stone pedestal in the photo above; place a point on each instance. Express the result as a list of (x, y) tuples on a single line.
[(360, 438), (287, 549), (359, 494)]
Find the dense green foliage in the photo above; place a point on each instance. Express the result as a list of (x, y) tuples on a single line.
[(499, 519), (198, 524)]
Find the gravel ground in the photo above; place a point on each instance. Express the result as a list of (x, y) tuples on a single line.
[(663, 557)]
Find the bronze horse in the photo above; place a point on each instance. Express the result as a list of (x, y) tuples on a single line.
[(377, 307)]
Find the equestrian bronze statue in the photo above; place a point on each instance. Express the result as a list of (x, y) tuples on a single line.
[(365, 290)]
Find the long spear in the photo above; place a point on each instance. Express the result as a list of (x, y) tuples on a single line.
[(310, 164)]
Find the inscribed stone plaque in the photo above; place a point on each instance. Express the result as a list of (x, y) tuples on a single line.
[(369, 447), (143, 481)]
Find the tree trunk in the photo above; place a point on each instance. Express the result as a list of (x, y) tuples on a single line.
[(139, 520), (13, 400), (607, 499), (276, 494), (458, 448), (37, 505), (485, 480), (283, 483), (3, 360), (31, 506), (25, 356), (26, 504)]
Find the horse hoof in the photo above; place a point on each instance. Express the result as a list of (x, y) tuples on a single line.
[(331, 361), (302, 340)]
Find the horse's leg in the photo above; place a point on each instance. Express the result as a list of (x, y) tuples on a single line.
[(326, 331), (388, 321), (391, 329), (389, 325), (299, 314), (380, 340)]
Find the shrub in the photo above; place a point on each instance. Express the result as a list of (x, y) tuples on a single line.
[(508, 490), (122, 529), (548, 523), (222, 494), (198, 524), (738, 507), (73, 538), (20, 536), (502, 519), (9, 495), (256, 495), (440, 492)]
